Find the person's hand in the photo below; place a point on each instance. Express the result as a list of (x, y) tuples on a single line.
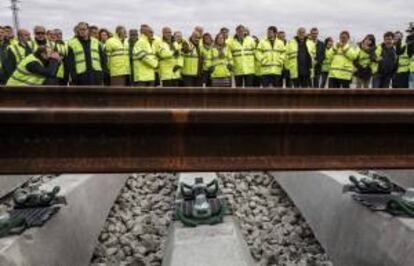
[(55, 56)]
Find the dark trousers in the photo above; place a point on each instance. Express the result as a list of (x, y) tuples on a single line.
[(324, 79), (339, 83), (381, 81), (144, 84), (302, 82), (206, 79), (246, 80), (286, 78), (401, 80), (257, 81), (272, 81), (170, 83), (192, 81), (316, 82)]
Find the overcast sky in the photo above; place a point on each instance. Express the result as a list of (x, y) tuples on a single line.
[(331, 16)]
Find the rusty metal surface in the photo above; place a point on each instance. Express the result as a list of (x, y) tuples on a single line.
[(45, 130)]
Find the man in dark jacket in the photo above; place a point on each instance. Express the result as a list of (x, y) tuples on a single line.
[(15, 53), (86, 61), (387, 62), (320, 56)]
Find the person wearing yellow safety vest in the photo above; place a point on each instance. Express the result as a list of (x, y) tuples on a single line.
[(242, 48), (221, 63), (62, 48), (117, 52), (342, 67), (3, 49), (285, 79), (206, 52), (9, 35), (145, 59), (40, 38), (17, 52), (168, 59), (192, 65), (326, 64), (410, 51), (364, 60), (402, 75), (385, 64), (86, 59), (178, 45), (300, 53), (270, 55), (38, 68)]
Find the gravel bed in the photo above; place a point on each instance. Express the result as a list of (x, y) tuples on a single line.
[(276, 233), (135, 231), (272, 226)]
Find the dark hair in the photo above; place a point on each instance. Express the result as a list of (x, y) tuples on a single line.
[(329, 39), (272, 28), (207, 35), (40, 50), (101, 31), (239, 27), (314, 29), (224, 29), (93, 27), (345, 32), (217, 37), (389, 34)]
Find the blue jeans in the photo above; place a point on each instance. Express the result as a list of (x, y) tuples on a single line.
[(412, 80)]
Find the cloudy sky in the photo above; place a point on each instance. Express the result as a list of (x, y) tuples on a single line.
[(331, 16)]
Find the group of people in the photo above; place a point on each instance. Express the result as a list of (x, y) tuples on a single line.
[(95, 56)]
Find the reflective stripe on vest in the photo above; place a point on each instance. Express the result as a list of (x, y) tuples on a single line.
[(79, 55)]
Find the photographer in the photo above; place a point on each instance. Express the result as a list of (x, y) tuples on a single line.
[(366, 55)]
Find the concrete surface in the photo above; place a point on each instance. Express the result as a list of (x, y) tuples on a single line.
[(351, 234), (206, 245), (218, 245), (403, 178), (68, 239), (8, 183)]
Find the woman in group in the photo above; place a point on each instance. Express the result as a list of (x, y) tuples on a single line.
[(222, 63), (104, 35), (366, 56), (326, 64)]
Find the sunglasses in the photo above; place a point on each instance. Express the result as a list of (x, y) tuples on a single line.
[(40, 33)]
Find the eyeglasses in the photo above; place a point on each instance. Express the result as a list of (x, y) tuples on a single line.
[(40, 33)]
